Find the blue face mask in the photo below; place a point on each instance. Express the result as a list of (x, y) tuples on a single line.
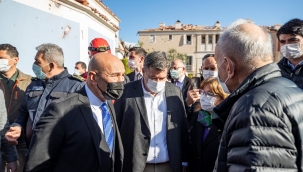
[(174, 74), (38, 71)]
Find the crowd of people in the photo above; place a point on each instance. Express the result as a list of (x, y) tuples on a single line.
[(244, 113)]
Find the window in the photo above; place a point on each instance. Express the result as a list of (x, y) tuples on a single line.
[(152, 38), (210, 39), (170, 37), (189, 63), (188, 39), (203, 39), (217, 38)]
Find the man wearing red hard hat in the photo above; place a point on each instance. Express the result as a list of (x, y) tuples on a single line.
[(98, 45)]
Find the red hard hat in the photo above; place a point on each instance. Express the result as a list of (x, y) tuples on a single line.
[(98, 45)]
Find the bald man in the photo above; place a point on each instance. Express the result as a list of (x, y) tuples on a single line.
[(261, 120), (79, 132)]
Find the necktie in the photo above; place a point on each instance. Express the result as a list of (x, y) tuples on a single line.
[(176, 82), (139, 76), (107, 126)]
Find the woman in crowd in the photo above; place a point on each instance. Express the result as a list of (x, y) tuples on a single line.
[(205, 136)]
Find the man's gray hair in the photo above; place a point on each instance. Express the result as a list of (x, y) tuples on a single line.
[(52, 53), (249, 49), (157, 59)]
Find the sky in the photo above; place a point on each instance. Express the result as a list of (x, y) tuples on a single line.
[(138, 15)]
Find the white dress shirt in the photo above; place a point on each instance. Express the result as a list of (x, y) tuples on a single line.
[(136, 75), (95, 104), (157, 113), (180, 82)]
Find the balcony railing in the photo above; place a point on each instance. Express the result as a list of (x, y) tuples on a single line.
[(189, 67)]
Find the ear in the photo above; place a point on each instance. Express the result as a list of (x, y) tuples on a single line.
[(143, 71), (16, 60), (51, 66), (230, 67), (141, 59), (92, 77)]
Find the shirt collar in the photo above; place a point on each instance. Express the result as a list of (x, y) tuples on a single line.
[(93, 100), (292, 66), (136, 73), (181, 79)]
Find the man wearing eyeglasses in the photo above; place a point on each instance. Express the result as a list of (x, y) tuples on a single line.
[(290, 36), (177, 73)]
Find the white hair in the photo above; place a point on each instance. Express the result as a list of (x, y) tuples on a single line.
[(52, 53), (247, 48)]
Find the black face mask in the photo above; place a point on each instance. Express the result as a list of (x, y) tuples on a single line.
[(114, 90)]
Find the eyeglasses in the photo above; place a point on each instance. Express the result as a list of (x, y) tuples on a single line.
[(208, 93), (175, 68), (99, 49)]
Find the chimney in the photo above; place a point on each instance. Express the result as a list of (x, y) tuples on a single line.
[(178, 24), (217, 24), (161, 24)]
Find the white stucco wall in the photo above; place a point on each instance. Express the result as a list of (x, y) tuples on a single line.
[(27, 24)]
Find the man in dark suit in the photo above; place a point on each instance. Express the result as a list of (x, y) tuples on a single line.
[(135, 62), (152, 121), (79, 133), (177, 73)]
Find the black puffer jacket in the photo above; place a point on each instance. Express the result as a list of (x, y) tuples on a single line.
[(263, 128), (295, 75)]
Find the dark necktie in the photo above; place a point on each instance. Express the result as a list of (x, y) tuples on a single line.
[(176, 82), (139, 76), (107, 126)]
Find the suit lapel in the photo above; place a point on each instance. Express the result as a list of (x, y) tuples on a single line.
[(169, 106), (186, 83), (210, 136), (199, 131), (139, 98), (90, 121)]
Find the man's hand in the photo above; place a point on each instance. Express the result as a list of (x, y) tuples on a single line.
[(13, 134), (192, 96), (12, 166)]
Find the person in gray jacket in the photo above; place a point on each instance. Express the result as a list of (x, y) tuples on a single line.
[(262, 119), (10, 152)]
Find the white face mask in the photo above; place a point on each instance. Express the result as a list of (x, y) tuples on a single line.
[(223, 84), (77, 72), (209, 73), (207, 102), (132, 64), (291, 51), (4, 67), (154, 86)]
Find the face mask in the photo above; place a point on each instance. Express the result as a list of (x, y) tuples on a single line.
[(4, 67), (204, 118), (223, 84), (174, 74), (291, 51), (132, 64), (209, 73), (154, 86), (207, 102), (114, 90), (77, 72), (38, 71)]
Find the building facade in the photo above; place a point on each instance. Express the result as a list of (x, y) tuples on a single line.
[(195, 41), (71, 24)]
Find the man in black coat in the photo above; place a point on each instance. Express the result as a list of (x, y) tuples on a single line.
[(135, 62), (79, 133), (290, 36), (261, 119)]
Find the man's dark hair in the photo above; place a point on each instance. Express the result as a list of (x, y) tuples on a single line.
[(294, 27), (139, 51), (208, 55), (10, 50), (83, 65)]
